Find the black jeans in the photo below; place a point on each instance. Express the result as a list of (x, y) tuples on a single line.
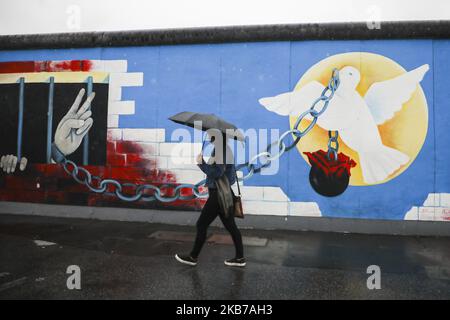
[(209, 213)]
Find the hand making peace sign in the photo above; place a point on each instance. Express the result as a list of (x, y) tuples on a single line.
[(74, 125)]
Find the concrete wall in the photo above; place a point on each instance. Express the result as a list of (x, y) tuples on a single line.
[(147, 84)]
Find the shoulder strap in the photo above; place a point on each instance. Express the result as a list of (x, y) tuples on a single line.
[(237, 180)]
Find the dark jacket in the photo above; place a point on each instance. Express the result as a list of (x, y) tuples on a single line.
[(214, 171)]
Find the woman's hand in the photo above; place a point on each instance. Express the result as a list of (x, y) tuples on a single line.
[(199, 158)]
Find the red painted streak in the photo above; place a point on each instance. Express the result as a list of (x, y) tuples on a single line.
[(126, 162), (49, 183), (73, 65), (86, 65), (17, 67), (46, 66), (67, 65), (130, 154), (128, 147), (117, 160)]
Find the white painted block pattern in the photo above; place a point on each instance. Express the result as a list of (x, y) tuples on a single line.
[(129, 79), (118, 78), (181, 163), (188, 176), (113, 121), (437, 200), (432, 200), (144, 135), (427, 213), (180, 150), (412, 214), (272, 208), (434, 214), (235, 189), (274, 194), (110, 65), (436, 207), (114, 134), (442, 214), (252, 193), (161, 162), (445, 200), (304, 209), (121, 107), (114, 93)]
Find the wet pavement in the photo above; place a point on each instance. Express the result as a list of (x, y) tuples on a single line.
[(125, 260)]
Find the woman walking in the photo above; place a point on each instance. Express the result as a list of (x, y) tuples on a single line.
[(220, 163)]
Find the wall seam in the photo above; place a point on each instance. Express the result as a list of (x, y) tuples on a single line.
[(434, 123), (288, 191)]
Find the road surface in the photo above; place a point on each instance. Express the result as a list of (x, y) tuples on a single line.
[(124, 260)]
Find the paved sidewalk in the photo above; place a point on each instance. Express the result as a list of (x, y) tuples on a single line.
[(121, 260)]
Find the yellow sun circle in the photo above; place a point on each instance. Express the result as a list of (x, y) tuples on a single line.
[(406, 131)]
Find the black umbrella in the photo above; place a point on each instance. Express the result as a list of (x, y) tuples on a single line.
[(208, 121)]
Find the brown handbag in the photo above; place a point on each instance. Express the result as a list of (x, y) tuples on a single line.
[(238, 210), (228, 201)]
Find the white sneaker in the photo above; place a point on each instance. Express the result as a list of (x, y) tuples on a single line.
[(235, 262), (186, 259)]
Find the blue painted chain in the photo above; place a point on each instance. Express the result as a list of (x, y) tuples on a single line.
[(100, 185), (333, 149), (266, 157), (141, 192)]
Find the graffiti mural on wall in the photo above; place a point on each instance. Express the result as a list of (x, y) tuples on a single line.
[(364, 102), (73, 115), (382, 112)]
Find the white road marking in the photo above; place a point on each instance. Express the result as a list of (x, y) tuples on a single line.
[(42, 243)]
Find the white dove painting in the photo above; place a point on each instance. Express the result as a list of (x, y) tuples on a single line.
[(357, 116)]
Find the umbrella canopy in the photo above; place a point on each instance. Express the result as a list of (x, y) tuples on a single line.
[(208, 121)]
